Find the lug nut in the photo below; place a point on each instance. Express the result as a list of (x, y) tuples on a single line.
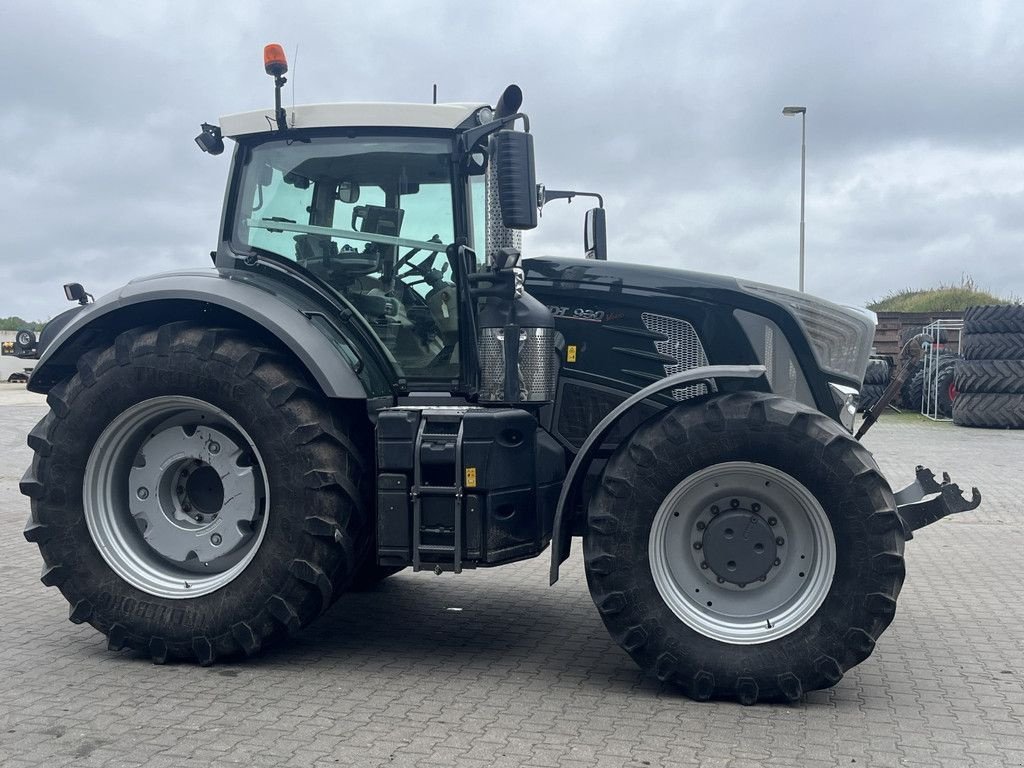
[(180, 490), (697, 545), (734, 503), (214, 446), (216, 539), (714, 509), (199, 518), (777, 561), (186, 507), (704, 565), (142, 493), (755, 507), (780, 541), (763, 578), (721, 580), (701, 525), (772, 521)]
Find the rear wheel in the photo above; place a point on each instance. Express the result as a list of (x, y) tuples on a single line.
[(193, 496), (745, 548)]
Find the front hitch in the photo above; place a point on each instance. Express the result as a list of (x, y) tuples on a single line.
[(946, 499)]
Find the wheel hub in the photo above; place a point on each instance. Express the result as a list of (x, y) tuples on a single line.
[(739, 546), (190, 493)]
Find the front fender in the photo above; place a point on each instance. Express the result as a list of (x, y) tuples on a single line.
[(301, 325), (561, 538)]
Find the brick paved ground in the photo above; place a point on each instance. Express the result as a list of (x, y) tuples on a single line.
[(496, 668)]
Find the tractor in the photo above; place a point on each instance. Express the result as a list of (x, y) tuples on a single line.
[(372, 378)]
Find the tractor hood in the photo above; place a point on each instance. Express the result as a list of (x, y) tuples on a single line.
[(618, 274), (838, 338)]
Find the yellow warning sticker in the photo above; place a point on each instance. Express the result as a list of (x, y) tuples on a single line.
[(471, 477), (570, 353)]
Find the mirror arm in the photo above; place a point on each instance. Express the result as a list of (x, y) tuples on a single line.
[(545, 195), (468, 140)]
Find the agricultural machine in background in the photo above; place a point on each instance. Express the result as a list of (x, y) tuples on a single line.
[(372, 378)]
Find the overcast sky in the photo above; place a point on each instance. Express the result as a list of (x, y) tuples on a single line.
[(915, 128)]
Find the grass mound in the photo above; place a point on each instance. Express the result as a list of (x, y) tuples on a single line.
[(945, 298)]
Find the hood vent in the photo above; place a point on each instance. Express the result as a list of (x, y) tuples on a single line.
[(682, 344)]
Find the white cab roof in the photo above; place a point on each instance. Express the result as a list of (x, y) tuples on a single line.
[(356, 114)]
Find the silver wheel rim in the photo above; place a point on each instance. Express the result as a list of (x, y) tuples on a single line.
[(774, 603), (175, 497)]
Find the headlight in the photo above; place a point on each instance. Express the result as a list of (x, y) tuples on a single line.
[(839, 336)]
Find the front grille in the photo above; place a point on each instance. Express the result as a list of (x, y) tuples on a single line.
[(682, 344)]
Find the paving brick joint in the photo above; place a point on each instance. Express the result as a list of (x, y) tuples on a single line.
[(495, 668)]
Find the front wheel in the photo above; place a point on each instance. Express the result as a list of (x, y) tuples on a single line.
[(745, 547), (193, 496)]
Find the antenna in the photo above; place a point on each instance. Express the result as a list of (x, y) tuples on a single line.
[(295, 66), (435, 93)]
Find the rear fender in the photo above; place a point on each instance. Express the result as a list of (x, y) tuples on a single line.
[(300, 325), (561, 536)]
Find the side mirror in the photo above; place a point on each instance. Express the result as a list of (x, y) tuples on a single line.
[(595, 237), (512, 161), (75, 292), (347, 192)]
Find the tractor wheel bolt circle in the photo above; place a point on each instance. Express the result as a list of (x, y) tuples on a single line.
[(738, 546)]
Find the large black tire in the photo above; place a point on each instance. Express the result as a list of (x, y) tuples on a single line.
[(877, 372), (806, 446), (946, 391), (1005, 376), (913, 388), (994, 319), (316, 471), (993, 346), (869, 395), (986, 409)]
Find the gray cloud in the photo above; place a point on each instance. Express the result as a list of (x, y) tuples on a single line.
[(915, 156)]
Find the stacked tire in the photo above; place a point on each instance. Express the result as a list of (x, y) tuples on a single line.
[(990, 378), (876, 379), (912, 393)]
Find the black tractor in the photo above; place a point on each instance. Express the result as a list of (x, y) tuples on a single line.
[(371, 378)]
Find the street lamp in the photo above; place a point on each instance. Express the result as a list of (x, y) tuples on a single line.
[(802, 111)]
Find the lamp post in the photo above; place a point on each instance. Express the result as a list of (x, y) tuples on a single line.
[(802, 111)]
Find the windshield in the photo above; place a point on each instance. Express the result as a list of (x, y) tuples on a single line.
[(372, 216)]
